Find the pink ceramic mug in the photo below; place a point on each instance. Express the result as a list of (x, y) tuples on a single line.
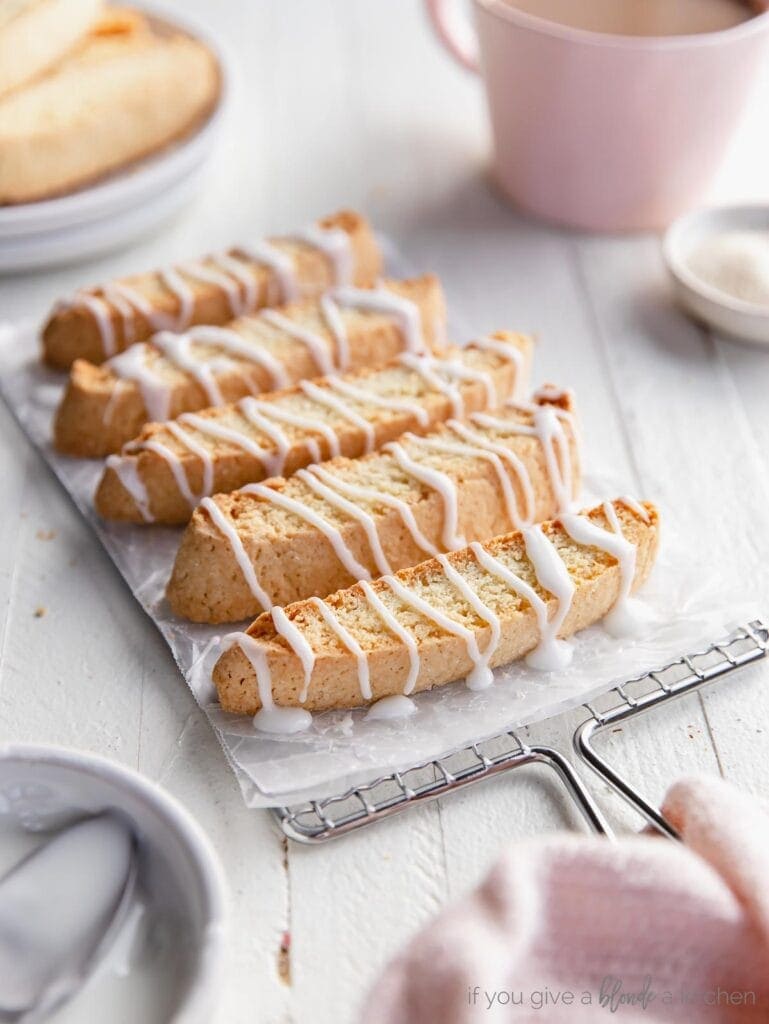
[(604, 132)]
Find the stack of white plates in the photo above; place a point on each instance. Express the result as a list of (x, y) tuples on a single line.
[(121, 209)]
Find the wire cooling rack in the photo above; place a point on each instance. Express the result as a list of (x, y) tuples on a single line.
[(317, 821)]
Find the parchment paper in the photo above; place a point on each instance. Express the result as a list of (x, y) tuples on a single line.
[(685, 600)]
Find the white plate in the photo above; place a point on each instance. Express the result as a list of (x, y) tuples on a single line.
[(730, 316), (120, 209), (97, 237), (115, 195)]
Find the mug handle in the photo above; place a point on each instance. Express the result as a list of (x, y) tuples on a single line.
[(455, 32)]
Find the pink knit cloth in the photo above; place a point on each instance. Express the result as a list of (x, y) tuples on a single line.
[(568, 929)]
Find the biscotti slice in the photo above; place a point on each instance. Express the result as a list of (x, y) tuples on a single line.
[(35, 34), (352, 519), (131, 87), (458, 616), (161, 476), (346, 329), (96, 323)]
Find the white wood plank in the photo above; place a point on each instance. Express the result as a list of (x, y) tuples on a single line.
[(353, 903), (697, 454)]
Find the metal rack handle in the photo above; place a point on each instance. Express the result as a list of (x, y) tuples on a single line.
[(320, 820)]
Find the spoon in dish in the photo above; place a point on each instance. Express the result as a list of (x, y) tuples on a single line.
[(61, 907)]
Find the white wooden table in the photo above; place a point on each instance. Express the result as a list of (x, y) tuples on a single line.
[(353, 104)]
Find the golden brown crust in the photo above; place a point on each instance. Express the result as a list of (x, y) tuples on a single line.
[(233, 466), (147, 85), (100, 413), (34, 37), (443, 656), (293, 560), (72, 332)]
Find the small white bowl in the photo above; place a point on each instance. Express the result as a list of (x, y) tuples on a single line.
[(730, 316), (42, 788)]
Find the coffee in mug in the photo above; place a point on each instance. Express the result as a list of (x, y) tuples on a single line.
[(641, 17)]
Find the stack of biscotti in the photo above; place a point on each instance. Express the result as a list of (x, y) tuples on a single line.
[(161, 475), (347, 329), (459, 615), (350, 519), (394, 510)]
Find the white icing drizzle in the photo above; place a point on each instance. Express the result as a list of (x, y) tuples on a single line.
[(112, 403), (251, 408), (228, 273), (427, 370), (189, 442), (177, 469), (261, 415), (317, 480), (281, 265), (551, 653), (380, 300), (207, 428), (322, 397), (133, 364), (315, 343), (271, 410), (234, 344), (155, 390), (475, 452), (547, 427), (298, 644), (620, 621), (504, 453), (128, 301), (396, 706), (101, 313), (224, 280), (438, 481), (225, 527), (329, 531), (333, 317), (127, 472), (220, 432), (481, 675), (238, 270), (635, 507), (553, 575), (556, 448), (381, 497), (347, 640), (400, 631), (176, 349), (512, 355), (126, 313), (445, 622), (334, 243), (270, 717), (360, 394), (183, 294)]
